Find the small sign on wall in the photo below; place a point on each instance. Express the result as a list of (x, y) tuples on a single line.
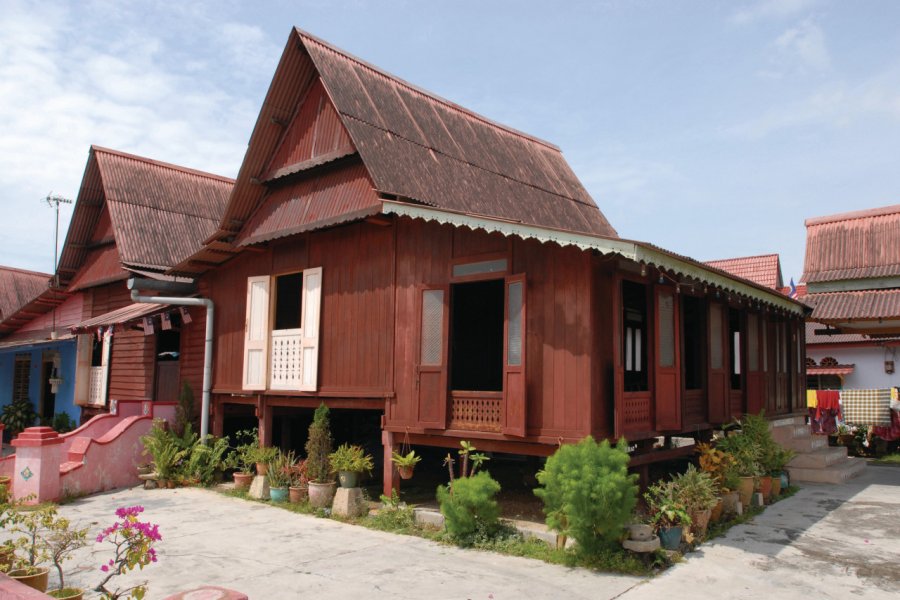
[(889, 367)]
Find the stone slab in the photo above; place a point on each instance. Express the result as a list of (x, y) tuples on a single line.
[(259, 489), (651, 545), (349, 502)]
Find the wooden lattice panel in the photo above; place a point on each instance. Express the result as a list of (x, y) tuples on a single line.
[(287, 360), (475, 413), (637, 413)]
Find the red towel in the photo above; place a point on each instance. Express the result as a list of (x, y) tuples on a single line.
[(828, 400)]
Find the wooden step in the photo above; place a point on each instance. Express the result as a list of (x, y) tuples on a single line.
[(839, 472)]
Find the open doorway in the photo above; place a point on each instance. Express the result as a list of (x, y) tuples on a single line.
[(476, 336), (168, 370)]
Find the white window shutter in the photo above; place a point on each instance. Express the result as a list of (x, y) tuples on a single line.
[(104, 377), (84, 348), (256, 333), (309, 344)]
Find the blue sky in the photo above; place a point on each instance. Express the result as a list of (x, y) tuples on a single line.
[(709, 128)]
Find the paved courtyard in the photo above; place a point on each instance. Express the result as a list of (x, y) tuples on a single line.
[(825, 542)]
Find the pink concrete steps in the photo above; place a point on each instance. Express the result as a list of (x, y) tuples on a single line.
[(815, 461)]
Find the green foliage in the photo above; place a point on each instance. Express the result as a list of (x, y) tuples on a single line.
[(470, 460), (62, 540), (666, 507), (165, 449), (588, 493), (243, 457), (184, 412), (62, 423), (30, 524), (280, 468), (319, 446), (351, 458), (263, 454), (406, 460), (18, 415), (695, 490), (393, 516), (746, 452), (469, 507), (205, 460)]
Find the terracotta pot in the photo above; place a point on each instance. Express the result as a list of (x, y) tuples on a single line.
[(405, 472), (36, 577), (765, 486), (242, 481), (171, 484), (67, 594), (745, 490), (715, 515), (321, 494), (700, 521), (776, 485), (298, 493), (162, 483), (262, 469), (729, 502)]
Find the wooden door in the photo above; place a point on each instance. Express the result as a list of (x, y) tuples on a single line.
[(431, 368), (755, 376), (718, 379), (667, 379), (514, 397)]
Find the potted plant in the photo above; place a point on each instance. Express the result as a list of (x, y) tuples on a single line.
[(717, 463), (262, 456), (696, 491), (62, 540), (780, 459), (746, 454), (279, 473), (406, 463), (243, 457), (318, 447), (667, 513), (299, 488), (349, 461), (31, 524)]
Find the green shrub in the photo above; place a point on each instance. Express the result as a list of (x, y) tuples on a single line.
[(62, 423), (205, 460), (318, 447), (469, 507), (588, 493), (18, 415)]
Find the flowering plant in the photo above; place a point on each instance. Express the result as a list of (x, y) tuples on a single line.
[(133, 540)]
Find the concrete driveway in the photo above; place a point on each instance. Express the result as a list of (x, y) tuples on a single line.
[(825, 542)]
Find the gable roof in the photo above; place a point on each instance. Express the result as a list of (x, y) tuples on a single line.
[(135, 212), (855, 245), (764, 269), (18, 287), (415, 146)]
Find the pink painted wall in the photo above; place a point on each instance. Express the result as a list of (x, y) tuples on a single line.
[(106, 463)]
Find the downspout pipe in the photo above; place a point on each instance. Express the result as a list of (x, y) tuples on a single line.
[(135, 284)]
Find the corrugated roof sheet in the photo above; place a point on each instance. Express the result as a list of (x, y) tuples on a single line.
[(764, 269), (126, 314), (856, 245), (19, 287), (101, 265), (866, 305), (30, 338), (158, 213)]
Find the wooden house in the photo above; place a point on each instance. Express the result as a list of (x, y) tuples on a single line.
[(388, 252), (134, 215)]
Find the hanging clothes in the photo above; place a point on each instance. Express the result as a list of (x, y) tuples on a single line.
[(823, 416), (812, 400), (867, 407)]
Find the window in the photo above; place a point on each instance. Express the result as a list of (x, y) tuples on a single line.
[(21, 378), (281, 349), (823, 382), (694, 334), (634, 306), (476, 336), (734, 335)]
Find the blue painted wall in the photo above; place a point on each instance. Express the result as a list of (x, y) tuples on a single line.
[(65, 394)]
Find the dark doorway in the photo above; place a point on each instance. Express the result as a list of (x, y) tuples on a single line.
[(48, 396), (694, 336), (168, 370), (476, 336)]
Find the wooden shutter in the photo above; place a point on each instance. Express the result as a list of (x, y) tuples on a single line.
[(515, 402), (755, 375), (309, 343), (256, 333), (105, 354), (718, 380), (83, 351), (667, 381), (431, 363)]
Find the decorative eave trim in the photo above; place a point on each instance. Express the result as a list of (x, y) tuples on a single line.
[(634, 251)]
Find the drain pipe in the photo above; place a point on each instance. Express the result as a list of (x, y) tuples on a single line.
[(135, 284)]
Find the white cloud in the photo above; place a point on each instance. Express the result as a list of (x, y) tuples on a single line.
[(770, 9), (802, 47)]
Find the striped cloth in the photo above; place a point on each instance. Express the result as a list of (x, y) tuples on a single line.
[(867, 407)]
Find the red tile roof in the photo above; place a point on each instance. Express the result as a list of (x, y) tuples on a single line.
[(160, 213), (855, 245), (865, 305), (19, 287), (764, 270)]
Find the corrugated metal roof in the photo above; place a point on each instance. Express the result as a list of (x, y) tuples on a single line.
[(856, 245), (764, 269), (101, 265), (19, 287), (158, 213), (126, 314), (866, 305), (30, 338)]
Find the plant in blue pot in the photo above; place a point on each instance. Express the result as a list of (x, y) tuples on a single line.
[(668, 513), (279, 473)]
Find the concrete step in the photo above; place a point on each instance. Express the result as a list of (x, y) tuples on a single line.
[(784, 435), (807, 444), (819, 459), (839, 472), (787, 421)]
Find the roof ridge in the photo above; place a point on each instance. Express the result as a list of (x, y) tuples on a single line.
[(163, 164), (26, 271), (854, 215), (775, 254), (591, 204), (414, 88)]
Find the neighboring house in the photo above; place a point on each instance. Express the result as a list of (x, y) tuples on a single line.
[(431, 274), (133, 216), (764, 270), (852, 276), (36, 352)]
